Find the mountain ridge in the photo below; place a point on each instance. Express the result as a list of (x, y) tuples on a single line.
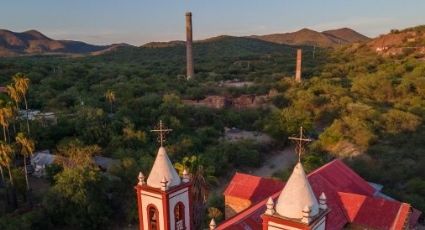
[(33, 42), (305, 36)]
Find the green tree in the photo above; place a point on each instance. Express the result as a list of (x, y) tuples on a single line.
[(91, 126), (395, 121), (347, 136), (110, 97), (375, 87), (78, 197), (287, 121)]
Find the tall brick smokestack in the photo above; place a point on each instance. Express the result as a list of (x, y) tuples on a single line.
[(299, 62), (189, 55)]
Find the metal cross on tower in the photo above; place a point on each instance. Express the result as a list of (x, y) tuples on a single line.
[(299, 141), (162, 131)]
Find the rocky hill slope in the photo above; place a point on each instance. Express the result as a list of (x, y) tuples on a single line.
[(410, 40), (33, 42), (329, 38)]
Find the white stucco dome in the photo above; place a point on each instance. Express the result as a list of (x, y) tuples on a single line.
[(161, 168), (296, 195)]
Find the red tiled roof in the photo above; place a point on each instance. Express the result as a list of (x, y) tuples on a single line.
[(331, 178), (344, 179), (252, 188), (249, 219), (336, 219), (402, 217), (376, 213), (334, 179)]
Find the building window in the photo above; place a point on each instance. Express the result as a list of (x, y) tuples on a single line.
[(179, 216), (153, 218)]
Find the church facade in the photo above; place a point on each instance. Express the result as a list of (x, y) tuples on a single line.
[(164, 200), (332, 197)]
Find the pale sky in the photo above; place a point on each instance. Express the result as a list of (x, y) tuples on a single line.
[(140, 21)]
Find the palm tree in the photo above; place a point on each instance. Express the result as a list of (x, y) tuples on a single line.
[(16, 98), (200, 180), (1, 174), (21, 84), (199, 195), (6, 155), (14, 95), (5, 114), (3, 160), (110, 96), (6, 158), (27, 147)]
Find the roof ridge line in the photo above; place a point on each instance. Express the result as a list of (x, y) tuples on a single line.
[(323, 166), (393, 225)]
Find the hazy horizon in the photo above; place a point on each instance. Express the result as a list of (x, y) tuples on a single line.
[(139, 22)]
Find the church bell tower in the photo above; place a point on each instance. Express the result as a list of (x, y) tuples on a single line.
[(297, 206), (164, 199)]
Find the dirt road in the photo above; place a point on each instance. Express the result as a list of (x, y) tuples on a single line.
[(280, 160)]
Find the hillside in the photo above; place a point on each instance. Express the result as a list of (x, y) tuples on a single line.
[(410, 40), (33, 42), (329, 38), (346, 34), (370, 110), (211, 55), (163, 44), (303, 37), (210, 49)]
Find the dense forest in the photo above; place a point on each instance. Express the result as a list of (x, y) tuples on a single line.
[(357, 104)]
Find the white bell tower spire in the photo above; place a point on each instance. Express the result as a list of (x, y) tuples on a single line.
[(297, 206), (164, 200)]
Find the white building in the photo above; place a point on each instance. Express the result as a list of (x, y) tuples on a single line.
[(40, 160)]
